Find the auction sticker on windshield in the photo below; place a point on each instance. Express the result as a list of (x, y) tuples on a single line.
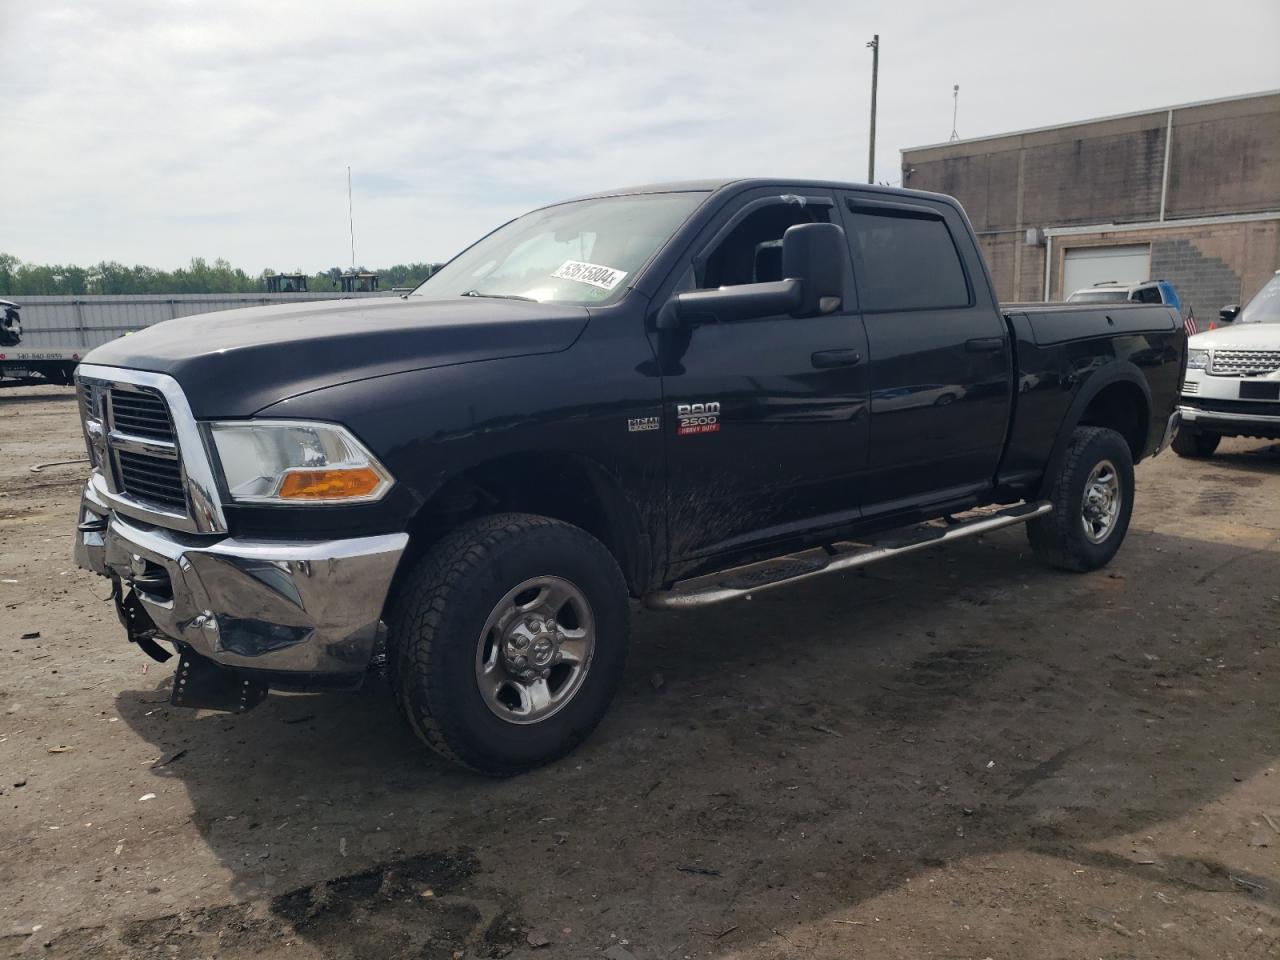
[(606, 278)]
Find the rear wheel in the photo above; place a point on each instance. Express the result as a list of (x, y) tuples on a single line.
[(1195, 444), (508, 641), (1092, 499)]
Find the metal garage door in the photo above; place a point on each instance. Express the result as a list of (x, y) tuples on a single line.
[(1086, 266)]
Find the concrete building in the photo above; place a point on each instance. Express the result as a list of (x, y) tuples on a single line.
[(1189, 194)]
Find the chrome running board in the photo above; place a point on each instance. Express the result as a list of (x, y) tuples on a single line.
[(744, 581)]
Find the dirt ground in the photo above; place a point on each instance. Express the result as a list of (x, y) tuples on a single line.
[(959, 754)]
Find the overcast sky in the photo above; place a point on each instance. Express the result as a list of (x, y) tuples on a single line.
[(151, 132)]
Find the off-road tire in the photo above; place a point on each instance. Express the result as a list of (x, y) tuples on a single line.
[(1195, 444), (1058, 538), (440, 609)]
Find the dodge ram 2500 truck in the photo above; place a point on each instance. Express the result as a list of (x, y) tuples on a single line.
[(681, 394)]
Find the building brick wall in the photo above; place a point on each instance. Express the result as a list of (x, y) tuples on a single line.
[(1030, 281), (1210, 265), (1204, 283), (998, 252), (1224, 159)]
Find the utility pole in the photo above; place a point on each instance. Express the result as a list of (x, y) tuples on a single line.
[(351, 221), (875, 76), (955, 109)]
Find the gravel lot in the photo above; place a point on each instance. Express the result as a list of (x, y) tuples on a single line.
[(955, 755)]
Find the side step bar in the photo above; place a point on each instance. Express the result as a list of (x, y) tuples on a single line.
[(743, 581)]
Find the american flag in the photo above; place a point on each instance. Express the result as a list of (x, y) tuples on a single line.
[(1189, 324)]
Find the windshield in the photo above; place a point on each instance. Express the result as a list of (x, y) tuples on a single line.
[(1265, 305), (585, 252), (1098, 296)]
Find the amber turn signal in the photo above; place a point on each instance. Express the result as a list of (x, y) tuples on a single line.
[(343, 484)]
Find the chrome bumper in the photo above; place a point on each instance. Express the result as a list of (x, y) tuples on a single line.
[(279, 606), (1170, 428), (1196, 415)]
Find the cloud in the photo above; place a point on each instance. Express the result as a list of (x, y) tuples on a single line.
[(153, 132)]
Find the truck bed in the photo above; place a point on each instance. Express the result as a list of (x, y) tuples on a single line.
[(1062, 322)]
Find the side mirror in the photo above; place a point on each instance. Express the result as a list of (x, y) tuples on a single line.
[(1229, 313), (742, 302), (813, 261), (816, 254)]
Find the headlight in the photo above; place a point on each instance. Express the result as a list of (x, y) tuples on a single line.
[(1197, 359), (281, 461)]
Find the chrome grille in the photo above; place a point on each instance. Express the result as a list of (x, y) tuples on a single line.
[(1242, 363), (149, 458), (144, 448), (140, 414), (152, 478)]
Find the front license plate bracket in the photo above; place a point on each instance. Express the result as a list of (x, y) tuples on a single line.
[(202, 684)]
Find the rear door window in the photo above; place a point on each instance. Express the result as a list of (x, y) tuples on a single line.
[(905, 260)]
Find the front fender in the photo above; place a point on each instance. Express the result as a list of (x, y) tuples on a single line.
[(523, 419)]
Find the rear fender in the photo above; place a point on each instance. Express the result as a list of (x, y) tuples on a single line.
[(1119, 371)]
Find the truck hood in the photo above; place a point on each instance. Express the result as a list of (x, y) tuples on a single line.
[(235, 362), (1244, 336)]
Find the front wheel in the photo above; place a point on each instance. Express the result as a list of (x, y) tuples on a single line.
[(508, 641), (1092, 499), (1195, 443)]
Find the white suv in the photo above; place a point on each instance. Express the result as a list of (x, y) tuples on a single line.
[(1149, 291), (1233, 378)]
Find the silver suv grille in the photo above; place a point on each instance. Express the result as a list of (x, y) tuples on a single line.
[(1244, 363)]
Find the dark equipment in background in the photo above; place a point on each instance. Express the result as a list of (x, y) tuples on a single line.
[(287, 283), (358, 282), (10, 324)]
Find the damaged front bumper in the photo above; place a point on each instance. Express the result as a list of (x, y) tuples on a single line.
[(298, 614)]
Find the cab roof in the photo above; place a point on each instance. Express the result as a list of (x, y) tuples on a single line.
[(745, 183)]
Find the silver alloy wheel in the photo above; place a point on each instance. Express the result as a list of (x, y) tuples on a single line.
[(1100, 506), (535, 650)]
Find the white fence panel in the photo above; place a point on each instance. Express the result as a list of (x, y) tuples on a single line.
[(81, 323)]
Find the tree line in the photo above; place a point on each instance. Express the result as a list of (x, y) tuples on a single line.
[(18, 279)]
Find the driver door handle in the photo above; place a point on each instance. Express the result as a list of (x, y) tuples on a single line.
[(984, 344), (825, 359)]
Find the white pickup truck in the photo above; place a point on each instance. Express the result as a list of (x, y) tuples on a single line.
[(1232, 388)]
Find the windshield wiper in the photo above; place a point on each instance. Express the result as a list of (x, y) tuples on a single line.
[(497, 296)]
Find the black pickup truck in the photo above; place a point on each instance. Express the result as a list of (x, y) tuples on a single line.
[(681, 394)]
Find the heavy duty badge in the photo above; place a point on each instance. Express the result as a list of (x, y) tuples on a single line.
[(697, 418)]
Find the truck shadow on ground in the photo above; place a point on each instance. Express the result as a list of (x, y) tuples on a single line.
[(1260, 459), (767, 764)]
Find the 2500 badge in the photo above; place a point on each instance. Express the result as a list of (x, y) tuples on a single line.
[(697, 418)]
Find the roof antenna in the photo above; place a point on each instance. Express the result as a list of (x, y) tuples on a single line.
[(955, 109), (351, 223)]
